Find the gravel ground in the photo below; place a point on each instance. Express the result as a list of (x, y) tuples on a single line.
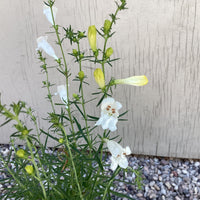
[(163, 179)]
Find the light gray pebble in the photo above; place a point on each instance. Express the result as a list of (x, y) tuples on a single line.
[(168, 185), (177, 198), (197, 164)]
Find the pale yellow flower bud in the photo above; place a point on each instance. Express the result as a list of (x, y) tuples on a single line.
[(20, 153), (99, 78), (109, 52), (92, 32), (61, 140), (81, 75), (107, 25), (29, 169), (133, 80), (25, 132)]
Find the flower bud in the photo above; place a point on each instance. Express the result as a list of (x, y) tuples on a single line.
[(29, 169), (109, 52), (133, 80), (61, 140), (25, 132), (81, 75), (81, 56), (92, 32), (81, 35), (75, 52), (21, 153), (99, 78), (107, 26), (75, 96)]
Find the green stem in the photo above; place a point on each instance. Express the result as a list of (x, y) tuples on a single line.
[(36, 168), (110, 182), (11, 173), (49, 93), (72, 160), (83, 103), (105, 43), (66, 72)]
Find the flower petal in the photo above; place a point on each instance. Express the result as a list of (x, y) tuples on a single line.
[(127, 150), (106, 102), (112, 124), (114, 163), (118, 105), (45, 46), (105, 123), (47, 13), (114, 148), (123, 162), (61, 89)]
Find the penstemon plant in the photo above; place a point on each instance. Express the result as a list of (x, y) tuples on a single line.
[(77, 167)]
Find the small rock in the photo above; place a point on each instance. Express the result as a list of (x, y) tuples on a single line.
[(177, 198), (156, 187), (152, 194), (184, 171), (152, 183), (139, 195), (168, 185), (180, 189), (186, 193), (197, 164), (160, 178), (164, 162), (155, 177), (175, 164)]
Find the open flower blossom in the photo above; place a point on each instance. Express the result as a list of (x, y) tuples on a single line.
[(47, 13), (109, 114), (99, 77), (118, 154), (133, 80), (61, 90), (45, 46)]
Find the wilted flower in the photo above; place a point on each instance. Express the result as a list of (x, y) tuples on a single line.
[(118, 154), (61, 89), (133, 80), (45, 46), (99, 78), (47, 13), (109, 114), (29, 169), (92, 37), (109, 52)]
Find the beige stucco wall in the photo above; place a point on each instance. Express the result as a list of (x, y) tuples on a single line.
[(157, 38)]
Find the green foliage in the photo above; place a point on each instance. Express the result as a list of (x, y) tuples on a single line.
[(76, 168)]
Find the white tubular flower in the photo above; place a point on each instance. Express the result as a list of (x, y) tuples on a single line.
[(61, 89), (45, 46), (109, 114), (47, 13), (118, 155)]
